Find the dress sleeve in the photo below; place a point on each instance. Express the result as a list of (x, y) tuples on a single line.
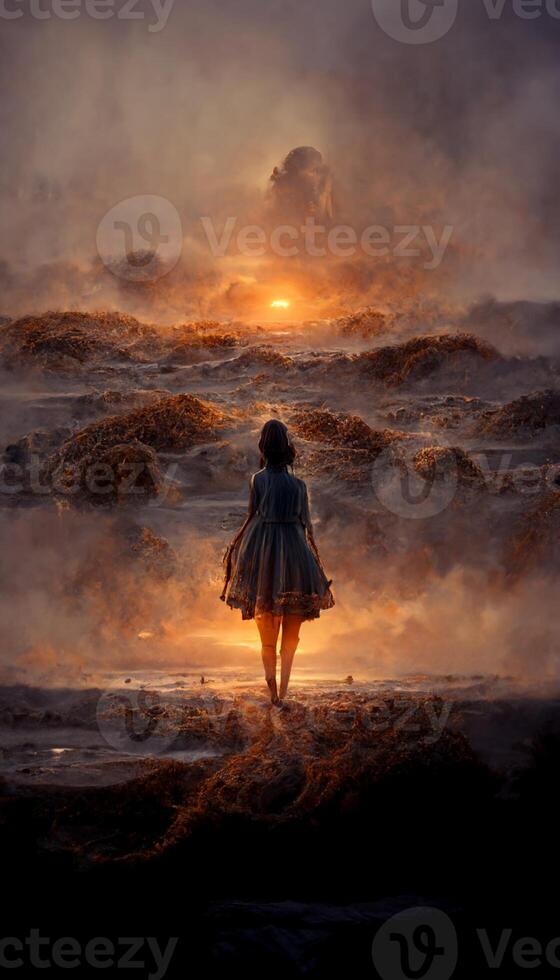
[(228, 556)]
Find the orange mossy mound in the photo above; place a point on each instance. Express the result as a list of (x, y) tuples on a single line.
[(124, 474), (209, 341), (365, 323), (524, 417), (54, 340), (264, 355), (421, 356), (199, 327), (337, 429), (204, 334), (173, 423), (439, 462), (353, 445)]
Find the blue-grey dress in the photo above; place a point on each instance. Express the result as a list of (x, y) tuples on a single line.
[(273, 565)]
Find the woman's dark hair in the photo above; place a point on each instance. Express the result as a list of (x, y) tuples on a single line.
[(275, 445)]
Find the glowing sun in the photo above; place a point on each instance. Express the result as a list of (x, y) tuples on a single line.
[(279, 304)]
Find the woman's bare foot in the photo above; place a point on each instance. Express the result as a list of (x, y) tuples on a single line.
[(273, 688)]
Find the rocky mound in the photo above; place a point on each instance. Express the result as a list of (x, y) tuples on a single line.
[(522, 418), (422, 356), (55, 341)]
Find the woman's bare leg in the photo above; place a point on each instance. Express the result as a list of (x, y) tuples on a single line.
[(269, 626), (290, 640)]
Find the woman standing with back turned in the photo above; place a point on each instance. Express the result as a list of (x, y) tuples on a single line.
[(273, 570)]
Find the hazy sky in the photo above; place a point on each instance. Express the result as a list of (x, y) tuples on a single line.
[(462, 131)]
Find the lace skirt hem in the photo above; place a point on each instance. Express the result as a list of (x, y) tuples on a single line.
[(295, 603)]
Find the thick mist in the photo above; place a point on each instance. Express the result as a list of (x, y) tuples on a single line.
[(461, 132)]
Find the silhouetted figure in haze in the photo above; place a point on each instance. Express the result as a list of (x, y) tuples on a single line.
[(302, 187)]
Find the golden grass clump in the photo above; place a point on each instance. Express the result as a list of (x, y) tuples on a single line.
[(344, 431), (353, 445), (265, 356), (120, 474), (115, 460), (439, 462), (421, 356), (173, 423), (55, 340), (202, 335), (365, 323)]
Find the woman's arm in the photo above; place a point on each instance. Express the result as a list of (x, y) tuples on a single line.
[(250, 511), (230, 549), (308, 525)]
